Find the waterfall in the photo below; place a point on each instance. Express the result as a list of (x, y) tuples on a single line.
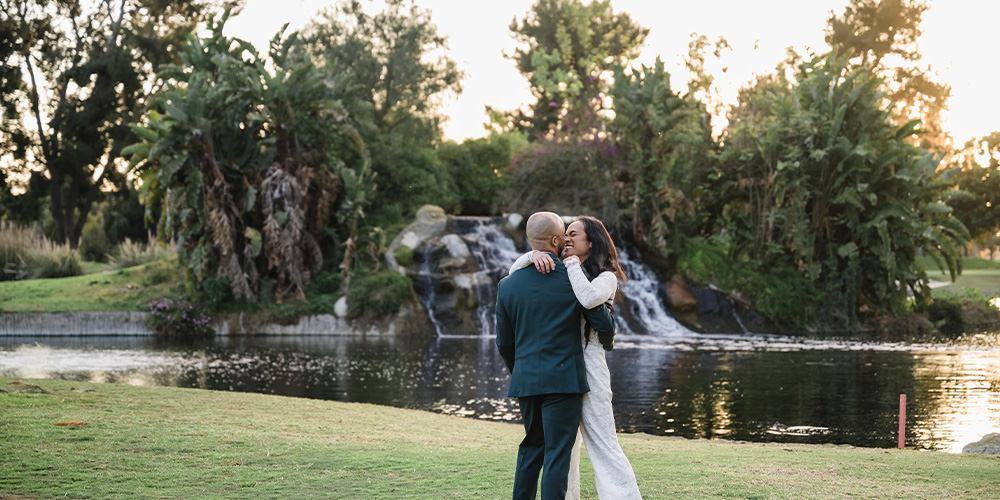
[(494, 252), (641, 313), (643, 302), (426, 283)]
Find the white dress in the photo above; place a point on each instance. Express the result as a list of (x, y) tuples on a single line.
[(613, 473)]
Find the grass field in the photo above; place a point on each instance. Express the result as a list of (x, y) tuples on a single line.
[(122, 290), (981, 274), (158, 442)]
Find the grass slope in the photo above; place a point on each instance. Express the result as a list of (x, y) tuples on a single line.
[(981, 274), (158, 442), (123, 290)]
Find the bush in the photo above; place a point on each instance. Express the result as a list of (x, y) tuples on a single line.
[(130, 253), (214, 292), (178, 319), (779, 292), (94, 244), (27, 254), (959, 311), (377, 295)]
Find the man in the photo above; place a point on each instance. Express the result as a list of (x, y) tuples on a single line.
[(538, 335)]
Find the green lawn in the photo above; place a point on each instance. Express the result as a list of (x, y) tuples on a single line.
[(121, 290), (159, 442), (981, 274)]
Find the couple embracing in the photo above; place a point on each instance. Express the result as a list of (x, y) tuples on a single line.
[(553, 325)]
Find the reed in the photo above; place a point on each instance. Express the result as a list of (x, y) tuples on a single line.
[(25, 253)]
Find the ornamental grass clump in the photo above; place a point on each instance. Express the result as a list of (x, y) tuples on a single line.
[(178, 319), (133, 253), (25, 253)]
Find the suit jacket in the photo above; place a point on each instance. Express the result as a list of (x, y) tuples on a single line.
[(538, 332)]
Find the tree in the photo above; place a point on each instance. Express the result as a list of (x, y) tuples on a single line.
[(75, 74), (479, 168), (250, 164), (882, 35), (396, 61), (567, 52), (668, 155), (820, 179), (980, 184)]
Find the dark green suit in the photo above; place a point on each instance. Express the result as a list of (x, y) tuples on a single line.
[(538, 335)]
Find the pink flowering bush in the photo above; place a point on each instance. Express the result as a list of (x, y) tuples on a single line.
[(178, 319)]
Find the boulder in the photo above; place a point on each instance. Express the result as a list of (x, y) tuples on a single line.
[(988, 445), (681, 300)]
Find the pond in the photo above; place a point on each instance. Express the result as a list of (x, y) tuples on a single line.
[(697, 386)]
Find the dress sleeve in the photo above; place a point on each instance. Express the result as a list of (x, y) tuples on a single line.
[(591, 293), (521, 262)]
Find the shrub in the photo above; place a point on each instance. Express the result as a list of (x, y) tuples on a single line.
[(27, 254), (132, 253), (403, 255), (94, 244), (377, 295), (779, 292), (178, 319)]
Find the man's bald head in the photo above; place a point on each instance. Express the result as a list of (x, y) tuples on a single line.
[(545, 232)]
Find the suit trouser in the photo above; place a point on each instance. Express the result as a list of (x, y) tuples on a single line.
[(550, 426)]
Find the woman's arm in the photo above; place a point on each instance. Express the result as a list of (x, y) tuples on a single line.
[(590, 293), (521, 262)]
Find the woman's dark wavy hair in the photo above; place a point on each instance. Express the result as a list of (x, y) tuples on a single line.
[(603, 254)]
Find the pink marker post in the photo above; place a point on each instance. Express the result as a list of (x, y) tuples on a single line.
[(902, 420)]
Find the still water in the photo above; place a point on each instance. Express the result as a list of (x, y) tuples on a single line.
[(695, 386)]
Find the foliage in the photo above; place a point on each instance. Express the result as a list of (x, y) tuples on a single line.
[(980, 184), (74, 75), (819, 179), (394, 63), (574, 176), (882, 35), (779, 292), (668, 156), (178, 319), (250, 163), (375, 295), (479, 167), (567, 50), (955, 312), (26, 254), (94, 244), (134, 253)]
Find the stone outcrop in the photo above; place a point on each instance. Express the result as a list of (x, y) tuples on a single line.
[(988, 445)]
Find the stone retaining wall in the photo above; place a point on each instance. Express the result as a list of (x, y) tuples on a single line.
[(75, 323), (124, 323)]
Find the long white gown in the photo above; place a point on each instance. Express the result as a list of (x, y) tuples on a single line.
[(613, 473)]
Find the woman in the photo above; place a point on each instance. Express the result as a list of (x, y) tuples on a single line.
[(589, 247)]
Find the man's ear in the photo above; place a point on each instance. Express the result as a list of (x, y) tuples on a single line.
[(555, 241)]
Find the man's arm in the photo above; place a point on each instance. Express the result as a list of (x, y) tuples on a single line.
[(602, 322), (505, 336)]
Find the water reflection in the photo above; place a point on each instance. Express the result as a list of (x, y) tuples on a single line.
[(699, 386)]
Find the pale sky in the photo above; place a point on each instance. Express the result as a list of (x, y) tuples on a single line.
[(956, 43)]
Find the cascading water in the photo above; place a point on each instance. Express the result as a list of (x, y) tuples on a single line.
[(425, 283), (642, 313), (494, 252), (643, 302)]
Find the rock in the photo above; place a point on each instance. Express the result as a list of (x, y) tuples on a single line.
[(988, 445), (431, 214), (340, 308), (456, 246), (409, 240), (681, 300), (514, 221)]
